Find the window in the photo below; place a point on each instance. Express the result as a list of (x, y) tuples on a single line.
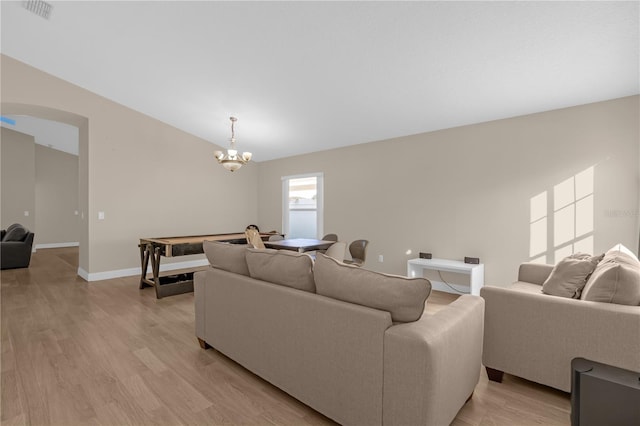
[(302, 206)]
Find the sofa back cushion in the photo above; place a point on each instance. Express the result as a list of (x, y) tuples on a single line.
[(404, 298), (282, 267), (616, 279), (225, 256), (569, 276), (15, 232)]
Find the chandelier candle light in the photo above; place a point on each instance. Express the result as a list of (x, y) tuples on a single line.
[(231, 160)]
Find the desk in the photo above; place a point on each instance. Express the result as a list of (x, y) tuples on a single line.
[(299, 244), (415, 268), (177, 282)]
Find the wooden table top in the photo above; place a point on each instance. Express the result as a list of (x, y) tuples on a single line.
[(303, 244), (192, 239)]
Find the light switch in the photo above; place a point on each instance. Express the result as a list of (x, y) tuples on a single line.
[(26, 212), (100, 215)]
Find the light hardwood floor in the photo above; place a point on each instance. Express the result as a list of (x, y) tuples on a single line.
[(78, 353)]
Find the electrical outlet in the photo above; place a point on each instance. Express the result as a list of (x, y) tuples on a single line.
[(380, 258), (26, 212), (100, 215)]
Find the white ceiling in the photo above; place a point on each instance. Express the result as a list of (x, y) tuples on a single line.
[(310, 76)]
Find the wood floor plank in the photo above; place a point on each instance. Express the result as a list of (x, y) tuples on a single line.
[(107, 353), (141, 394), (11, 404)]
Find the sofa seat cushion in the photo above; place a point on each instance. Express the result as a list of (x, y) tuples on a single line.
[(569, 276), (404, 298), (282, 267), (616, 279), (15, 232), (225, 256), (526, 287)]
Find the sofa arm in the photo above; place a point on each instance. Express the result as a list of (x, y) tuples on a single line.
[(535, 336), (535, 273), (14, 254), (432, 366)]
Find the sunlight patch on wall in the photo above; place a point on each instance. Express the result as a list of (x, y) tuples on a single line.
[(571, 219), (563, 225)]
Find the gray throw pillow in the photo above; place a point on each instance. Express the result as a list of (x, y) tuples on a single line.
[(15, 233), (615, 280), (15, 225), (282, 267), (404, 298), (570, 275), (225, 256)]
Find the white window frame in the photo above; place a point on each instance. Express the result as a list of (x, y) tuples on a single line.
[(319, 201)]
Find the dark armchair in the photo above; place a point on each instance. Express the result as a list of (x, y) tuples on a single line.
[(15, 247)]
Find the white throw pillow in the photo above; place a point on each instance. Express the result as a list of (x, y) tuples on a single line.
[(623, 249)]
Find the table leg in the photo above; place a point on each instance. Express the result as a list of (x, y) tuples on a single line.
[(144, 263), (476, 280), (155, 264)]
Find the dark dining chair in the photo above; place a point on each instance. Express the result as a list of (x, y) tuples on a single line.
[(358, 251), (328, 237)]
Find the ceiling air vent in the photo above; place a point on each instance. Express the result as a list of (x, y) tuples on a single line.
[(38, 7)]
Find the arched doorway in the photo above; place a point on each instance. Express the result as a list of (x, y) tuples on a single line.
[(82, 123)]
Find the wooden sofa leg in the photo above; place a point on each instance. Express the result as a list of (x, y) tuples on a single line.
[(494, 375), (203, 344)]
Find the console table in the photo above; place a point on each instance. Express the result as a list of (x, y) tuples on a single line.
[(415, 268), (177, 282)]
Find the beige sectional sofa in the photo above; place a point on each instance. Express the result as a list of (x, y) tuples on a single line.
[(535, 335), (350, 343)]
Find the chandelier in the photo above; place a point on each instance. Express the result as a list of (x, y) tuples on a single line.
[(231, 160)]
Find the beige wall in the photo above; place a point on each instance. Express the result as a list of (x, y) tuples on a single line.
[(149, 178), (42, 181), (56, 197), (466, 191), (455, 192), (18, 179)]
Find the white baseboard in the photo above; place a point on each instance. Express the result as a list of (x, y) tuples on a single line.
[(118, 273), (83, 274), (56, 245)]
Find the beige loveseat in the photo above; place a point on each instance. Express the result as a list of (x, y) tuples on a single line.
[(535, 335), (353, 363)]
